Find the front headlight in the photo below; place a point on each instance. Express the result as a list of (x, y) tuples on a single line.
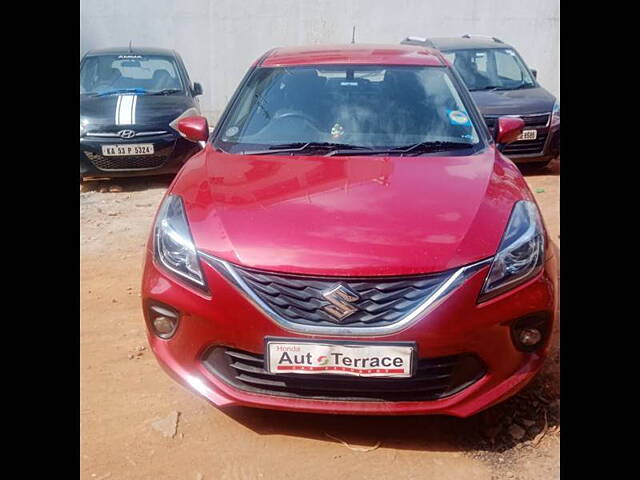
[(521, 252), (555, 112), (173, 245)]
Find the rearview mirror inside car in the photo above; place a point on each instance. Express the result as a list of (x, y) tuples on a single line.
[(508, 131), (194, 128)]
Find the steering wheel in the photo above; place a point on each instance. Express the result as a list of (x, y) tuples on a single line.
[(296, 114)]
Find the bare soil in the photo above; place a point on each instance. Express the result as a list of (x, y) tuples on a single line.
[(137, 423)]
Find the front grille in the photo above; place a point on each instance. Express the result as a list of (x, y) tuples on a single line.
[(382, 300), (140, 162), (524, 147), (537, 120), (434, 378)]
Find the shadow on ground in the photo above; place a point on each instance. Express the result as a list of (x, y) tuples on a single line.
[(518, 422), (552, 169)]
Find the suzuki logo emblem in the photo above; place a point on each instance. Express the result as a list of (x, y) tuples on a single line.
[(126, 133), (341, 298)]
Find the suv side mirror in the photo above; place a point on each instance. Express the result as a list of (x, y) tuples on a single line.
[(508, 131), (194, 128), (197, 89), (535, 72)]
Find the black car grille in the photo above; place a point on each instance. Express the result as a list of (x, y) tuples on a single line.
[(524, 147), (382, 300), (140, 162), (434, 378)]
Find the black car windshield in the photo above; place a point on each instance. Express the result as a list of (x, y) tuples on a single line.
[(491, 69), (106, 74), (346, 107)]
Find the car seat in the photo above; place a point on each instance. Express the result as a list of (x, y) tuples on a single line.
[(162, 80)]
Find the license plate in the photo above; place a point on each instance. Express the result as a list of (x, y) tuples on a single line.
[(126, 150), (340, 358), (528, 135)]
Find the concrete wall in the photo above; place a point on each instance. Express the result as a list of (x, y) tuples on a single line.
[(219, 39)]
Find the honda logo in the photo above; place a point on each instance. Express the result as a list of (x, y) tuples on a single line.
[(341, 298), (126, 133)]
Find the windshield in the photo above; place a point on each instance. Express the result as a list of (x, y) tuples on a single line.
[(491, 68), (346, 106), (105, 74)]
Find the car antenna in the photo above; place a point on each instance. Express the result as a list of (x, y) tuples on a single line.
[(130, 51), (353, 36)]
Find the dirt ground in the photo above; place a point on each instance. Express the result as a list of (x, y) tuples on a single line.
[(128, 403)]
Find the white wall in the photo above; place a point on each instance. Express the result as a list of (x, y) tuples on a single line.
[(219, 39)]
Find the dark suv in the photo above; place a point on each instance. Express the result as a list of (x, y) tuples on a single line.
[(502, 85)]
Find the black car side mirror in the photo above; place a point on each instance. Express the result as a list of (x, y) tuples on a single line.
[(535, 72), (197, 89)]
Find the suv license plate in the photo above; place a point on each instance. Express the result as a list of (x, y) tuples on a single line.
[(528, 135)]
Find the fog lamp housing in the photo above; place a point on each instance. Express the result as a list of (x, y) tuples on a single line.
[(530, 333), (163, 320)]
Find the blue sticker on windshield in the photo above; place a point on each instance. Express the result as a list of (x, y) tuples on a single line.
[(457, 117)]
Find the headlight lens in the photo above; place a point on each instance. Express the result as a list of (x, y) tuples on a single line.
[(555, 112), (173, 244), (521, 252)]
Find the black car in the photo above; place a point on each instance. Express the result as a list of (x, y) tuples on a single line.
[(501, 85), (130, 102)]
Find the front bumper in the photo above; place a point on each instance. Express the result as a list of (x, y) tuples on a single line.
[(171, 152), (456, 326)]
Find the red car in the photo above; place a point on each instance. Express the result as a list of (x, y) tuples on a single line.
[(350, 240)]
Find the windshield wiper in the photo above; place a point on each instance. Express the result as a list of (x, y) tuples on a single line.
[(304, 146), (524, 85), (488, 87), (493, 88), (139, 91), (436, 146), (422, 147), (166, 91)]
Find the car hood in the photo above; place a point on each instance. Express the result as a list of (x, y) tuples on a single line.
[(147, 109), (514, 102), (352, 216)]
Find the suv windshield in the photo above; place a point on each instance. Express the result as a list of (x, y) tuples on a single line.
[(346, 107), (491, 69), (105, 74)]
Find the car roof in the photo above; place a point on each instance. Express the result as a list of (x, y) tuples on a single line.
[(471, 42), (133, 51), (352, 54)]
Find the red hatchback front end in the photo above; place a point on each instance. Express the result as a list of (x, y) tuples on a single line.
[(338, 276)]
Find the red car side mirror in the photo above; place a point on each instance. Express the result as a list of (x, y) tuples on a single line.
[(509, 129), (194, 128)]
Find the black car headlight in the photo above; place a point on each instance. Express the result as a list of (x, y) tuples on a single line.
[(555, 113), (521, 252), (173, 245)]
